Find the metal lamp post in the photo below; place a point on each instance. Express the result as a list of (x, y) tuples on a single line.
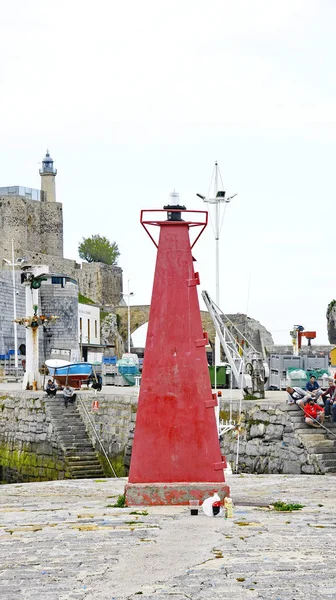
[(13, 264), (129, 294)]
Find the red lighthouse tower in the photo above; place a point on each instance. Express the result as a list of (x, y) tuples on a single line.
[(176, 453)]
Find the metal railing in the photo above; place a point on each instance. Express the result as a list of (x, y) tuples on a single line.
[(97, 436)]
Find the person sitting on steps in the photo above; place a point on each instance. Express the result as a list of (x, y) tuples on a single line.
[(313, 387), (297, 395), (313, 412), (51, 388), (328, 398), (68, 395)]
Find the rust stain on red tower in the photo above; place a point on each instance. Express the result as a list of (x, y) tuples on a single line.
[(176, 454)]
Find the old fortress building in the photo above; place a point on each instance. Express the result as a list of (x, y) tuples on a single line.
[(33, 219)]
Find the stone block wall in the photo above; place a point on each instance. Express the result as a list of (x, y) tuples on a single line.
[(102, 283), (6, 310), (63, 334), (29, 447), (269, 442), (113, 421)]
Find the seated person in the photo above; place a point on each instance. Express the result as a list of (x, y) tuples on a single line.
[(297, 395), (68, 395), (51, 388), (313, 412), (313, 387), (328, 397)]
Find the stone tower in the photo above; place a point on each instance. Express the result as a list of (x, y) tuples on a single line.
[(48, 184)]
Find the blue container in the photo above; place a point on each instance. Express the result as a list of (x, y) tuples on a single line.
[(128, 369), (109, 360)]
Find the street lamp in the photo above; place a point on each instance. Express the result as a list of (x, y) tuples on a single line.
[(129, 294), (13, 264)]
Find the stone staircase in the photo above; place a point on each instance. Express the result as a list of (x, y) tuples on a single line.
[(320, 445), (81, 461)]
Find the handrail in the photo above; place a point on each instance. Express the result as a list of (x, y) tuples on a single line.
[(97, 436), (320, 424)]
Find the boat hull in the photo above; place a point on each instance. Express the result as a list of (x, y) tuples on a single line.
[(72, 374)]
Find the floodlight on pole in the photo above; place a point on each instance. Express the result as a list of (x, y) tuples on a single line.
[(13, 264), (218, 198)]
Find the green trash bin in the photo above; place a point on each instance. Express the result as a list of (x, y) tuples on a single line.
[(221, 376)]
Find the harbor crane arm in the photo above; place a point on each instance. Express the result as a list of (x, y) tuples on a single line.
[(247, 367), (233, 351)]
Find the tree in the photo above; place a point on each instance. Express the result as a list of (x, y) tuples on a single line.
[(98, 248)]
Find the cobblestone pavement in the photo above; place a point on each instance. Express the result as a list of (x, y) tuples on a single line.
[(64, 540)]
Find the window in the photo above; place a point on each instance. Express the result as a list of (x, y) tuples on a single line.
[(58, 280), (96, 332)]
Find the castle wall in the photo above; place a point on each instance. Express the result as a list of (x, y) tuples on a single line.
[(51, 228), (34, 226), (102, 283), (13, 226)]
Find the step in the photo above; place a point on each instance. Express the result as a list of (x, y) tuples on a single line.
[(316, 440), (94, 462), (80, 436), (329, 469), (324, 456), (328, 463), (90, 467), (89, 475), (296, 419), (71, 411), (82, 443), (65, 417), (317, 449), (71, 448), (71, 427), (305, 429), (81, 457), (291, 408), (316, 434), (78, 450)]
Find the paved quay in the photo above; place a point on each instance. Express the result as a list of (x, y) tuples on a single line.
[(113, 390), (64, 540)]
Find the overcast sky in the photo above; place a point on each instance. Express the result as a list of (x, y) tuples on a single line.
[(134, 99)]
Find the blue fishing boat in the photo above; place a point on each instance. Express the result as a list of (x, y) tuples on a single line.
[(67, 373)]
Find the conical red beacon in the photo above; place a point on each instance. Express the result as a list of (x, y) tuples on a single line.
[(176, 454)]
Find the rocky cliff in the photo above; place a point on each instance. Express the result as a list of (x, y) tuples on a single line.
[(254, 331), (331, 322)]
